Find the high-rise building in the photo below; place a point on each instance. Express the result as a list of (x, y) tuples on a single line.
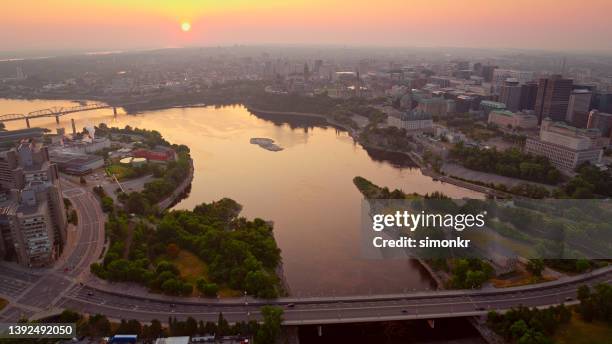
[(578, 108), (565, 146), (501, 75), (510, 94), (529, 93), (603, 102), (317, 66), (486, 72), (601, 121), (553, 98), (32, 213)]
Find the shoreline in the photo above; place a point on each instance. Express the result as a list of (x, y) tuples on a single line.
[(169, 201), (414, 157)]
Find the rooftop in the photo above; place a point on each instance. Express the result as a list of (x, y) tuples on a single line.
[(503, 112)]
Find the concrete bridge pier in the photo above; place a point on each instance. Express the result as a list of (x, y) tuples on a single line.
[(290, 335), (114, 111), (57, 119), (27, 122), (73, 126)]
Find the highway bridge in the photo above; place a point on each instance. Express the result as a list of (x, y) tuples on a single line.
[(333, 310), (69, 285)]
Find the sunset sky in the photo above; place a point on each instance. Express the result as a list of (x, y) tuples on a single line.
[(125, 24)]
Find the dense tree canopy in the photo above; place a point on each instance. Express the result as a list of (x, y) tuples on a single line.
[(510, 163), (239, 253)]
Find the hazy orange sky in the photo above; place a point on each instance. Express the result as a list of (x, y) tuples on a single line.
[(125, 24)]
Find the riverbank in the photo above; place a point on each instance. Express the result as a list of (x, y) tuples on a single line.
[(220, 160), (179, 191), (416, 158)]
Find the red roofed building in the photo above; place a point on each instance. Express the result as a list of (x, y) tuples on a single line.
[(159, 153)]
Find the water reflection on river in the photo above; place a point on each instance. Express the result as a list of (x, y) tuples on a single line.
[(306, 189)]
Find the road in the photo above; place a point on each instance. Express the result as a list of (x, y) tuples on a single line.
[(428, 305), (70, 285), (33, 291)]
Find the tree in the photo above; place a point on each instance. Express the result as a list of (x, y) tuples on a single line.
[(172, 250), (73, 217), (136, 203), (222, 326), (535, 266), (191, 326), (518, 329), (270, 330), (155, 330), (582, 265), (107, 204), (208, 289), (584, 293), (98, 326), (260, 284), (171, 286), (69, 316)]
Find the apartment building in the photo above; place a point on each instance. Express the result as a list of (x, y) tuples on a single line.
[(32, 213)]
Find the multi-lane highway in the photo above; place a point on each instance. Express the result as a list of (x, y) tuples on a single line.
[(322, 310), (69, 285)]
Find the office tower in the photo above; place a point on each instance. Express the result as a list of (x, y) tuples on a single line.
[(553, 98), (487, 72), (603, 101), (601, 121), (510, 94), (317, 66), (529, 93), (565, 146), (32, 213), (578, 108)]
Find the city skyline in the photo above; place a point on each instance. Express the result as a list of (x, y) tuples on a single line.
[(109, 25)]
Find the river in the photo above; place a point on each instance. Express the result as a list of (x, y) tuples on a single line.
[(305, 189)]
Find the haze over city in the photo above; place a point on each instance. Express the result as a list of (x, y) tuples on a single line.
[(97, 25)]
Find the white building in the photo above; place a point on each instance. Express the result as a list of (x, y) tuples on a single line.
[(566, 147), (415, 122)]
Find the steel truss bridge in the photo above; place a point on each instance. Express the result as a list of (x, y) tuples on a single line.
[(55, 111)]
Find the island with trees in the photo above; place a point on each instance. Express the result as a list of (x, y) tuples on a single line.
[(208, 251)]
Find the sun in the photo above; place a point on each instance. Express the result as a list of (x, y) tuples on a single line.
[(185, 26)]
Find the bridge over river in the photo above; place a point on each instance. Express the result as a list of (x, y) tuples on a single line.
[(58, 111)]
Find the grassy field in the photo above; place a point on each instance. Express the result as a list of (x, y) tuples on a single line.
[(191, 268), (519, 278), (121, 171), (581, 332), (3, 303)]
